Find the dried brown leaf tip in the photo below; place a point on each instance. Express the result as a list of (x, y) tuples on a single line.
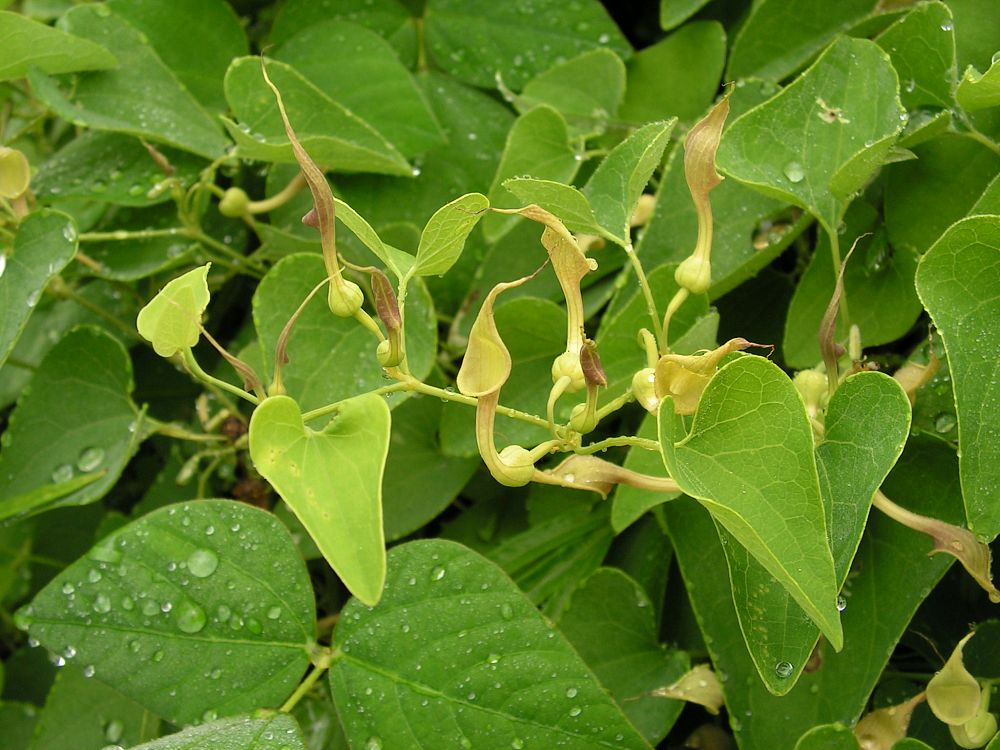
[(345, 297)]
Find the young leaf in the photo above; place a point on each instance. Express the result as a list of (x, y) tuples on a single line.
[(275, 732), (958, 281), (822, 137), (564, 201), (332, 480), (28, 44), (171, 321), (454, 640), (444, 236), (56, 438), (211, 595), (921, 46), (749, 459), (979, 90), (46, 241)]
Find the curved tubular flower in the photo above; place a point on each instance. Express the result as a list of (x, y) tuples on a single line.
[(583, 472), (684, 376)]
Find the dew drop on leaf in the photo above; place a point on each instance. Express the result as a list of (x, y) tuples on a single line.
[(944, 422), (794, 172), (68, 588), (783, 669), (437, 573), (506, 611), (575, 711), (254, 626), (89, 670), (571, 692), (62, 473), (841, 603), (150, 608), (102, 603), (373, 743), (947, 25), (274, 613), (89, 459), (158, 656), (517, 743), (190, 617), (114, 730), (94, 575), (202, 563)]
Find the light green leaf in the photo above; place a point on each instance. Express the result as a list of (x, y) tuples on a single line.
[(397, 261), (867, 423), (979, 90), (28, 44), (46, 241), (828, 737), (676, 77), (675, 12), (52, 439), (334, 136), (611, 624), (194, 610), (958, 281), (564, 201), (821, 137), (171, 321), (925, 196), (332, 479), (331, 358), (474, 40), (420, 481), (276, 732), (110, 167), (451, 628), (143, 98), (537, 146), (334, 55), (444, 236), (894, 575), (878, 283), (195, 38), (749, 459), (81, 712), (921, 46), (769, 47), (587, 90)]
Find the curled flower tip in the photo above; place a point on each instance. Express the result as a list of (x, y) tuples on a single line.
[(590, 361), (953, 693), (384, 297)]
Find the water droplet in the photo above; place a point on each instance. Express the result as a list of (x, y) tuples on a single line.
[(947, 25), (150, 608), (102, 603), (89, 670), (254, 626), (62, 473), (94, 575), (114, 730), (68, 588), (493, 658), (69, 233), (89, 459), (784, 669), (373, 743), (437, 573), (841, 603), (209, 715), (158, 656), (909, 85), (506, 611), (3, 263), (202, 563), (190, 617), (794, 172), (571, 692), (223, 612), (575, 711), (517, 743), (215, 673), (944, 422), (69, 652), (274, 613)]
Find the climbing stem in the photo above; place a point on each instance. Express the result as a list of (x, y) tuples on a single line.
[(647, 293), (321, 663), (195, 369)]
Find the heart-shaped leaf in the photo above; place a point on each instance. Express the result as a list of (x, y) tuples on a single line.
[(332, 480), (444, 236), (455, 642), (193, 610), (28, 43), (749, 459), (172, 319)]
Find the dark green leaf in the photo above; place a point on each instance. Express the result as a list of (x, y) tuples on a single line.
[(17, 724), (828, 737), (276, 732), (28, 44), (195, 610), (675, 12), (921, 46)]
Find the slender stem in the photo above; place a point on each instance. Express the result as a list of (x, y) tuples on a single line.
[(89, 262), (543, 449), (678, 299), (307, 684), (647, 293), (168, 429), (550, 407), (280, 198), (430, 390), (64, 291), (323, 411), (206, 474), (138, 234), (624, 440), (199, 373), (615, 404)]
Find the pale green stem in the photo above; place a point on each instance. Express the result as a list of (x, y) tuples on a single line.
[(321, 665), (550, 408), (280, 198), (624, 440), (615, 404), (323, 411), (543, 449), (199, 373), (679, 298), (168, 429), (647, 293), (138, 234)]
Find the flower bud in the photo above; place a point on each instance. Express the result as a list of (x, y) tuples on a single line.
[(568, 365), (234, 203), (644, 389), (694, 274), (813, 388), (515, 467), (345, 298), (583, 419)]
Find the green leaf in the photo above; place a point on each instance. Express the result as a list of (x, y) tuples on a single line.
[(628, 504), (45, 242), (925, 196), (420, 481), (878, 284), (894, 575), (769, 47), (110, 167), (333, 135), (828, 737), (564, 201), (17, 724), (195, 610), (610, 622), (979, 90), (822, 137), (332, 479), (675, 12), (131, 258), (276, 732), (587, 90), (537, 146), (444, 236), (473, 40), (867, 423), (28, 44), (334, 55), (456, 643), (142, 98), (81, 712), (957, 281), (331, 358), (195, 38), (921, 46), (76, 419), (171, 321), (749, 459), (676, 77)]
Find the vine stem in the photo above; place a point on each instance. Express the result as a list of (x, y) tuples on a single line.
[(199, 373), (322, 663), (623, 440), (647, 293)]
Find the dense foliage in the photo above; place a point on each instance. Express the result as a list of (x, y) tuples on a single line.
[(471, 374)]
